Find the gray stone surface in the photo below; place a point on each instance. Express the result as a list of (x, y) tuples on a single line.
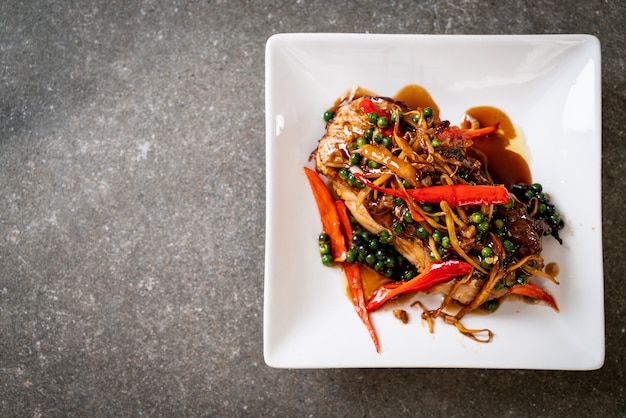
[(132, 199)]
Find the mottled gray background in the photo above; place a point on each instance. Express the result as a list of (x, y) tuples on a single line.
[(132, 200)]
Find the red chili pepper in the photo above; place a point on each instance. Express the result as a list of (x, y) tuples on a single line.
[(368, 107), (435, 273), (454, 194), (353, 275), (455, 132), (344, 221), (328, 214), (533, 291)]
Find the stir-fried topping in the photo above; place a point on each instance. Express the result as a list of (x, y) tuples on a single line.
[(415, 185)]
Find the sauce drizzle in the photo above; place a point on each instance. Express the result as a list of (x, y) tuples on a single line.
[(505, 165)]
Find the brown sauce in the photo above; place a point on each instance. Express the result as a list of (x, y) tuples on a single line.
[(371, 281), (417, 97), (505, 165), (552, 269)]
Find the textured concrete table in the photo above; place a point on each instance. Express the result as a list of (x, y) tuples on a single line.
[(132, 204)]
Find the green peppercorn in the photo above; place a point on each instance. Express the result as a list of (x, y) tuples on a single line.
[(390, 262), (509, 247), (387, 141), (483, 226), (395, 116), (541, 207), (437, 235), (327, 259), (372, 164), (382, 122), (323, 237), (427, 207), (491, 305), (435, 143), (377, 137), (416, 118), (421, 232), (428, 112), (328, 115), (361, 141), (477, 217), (445, 242), (324, 248), (344, 173), (397, 228), (369, 132), (529, 194), (372, 117), (486, 252), (384, 236), (355, 158), (509, 204)]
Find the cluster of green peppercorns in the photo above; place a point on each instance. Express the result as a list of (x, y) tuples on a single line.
[(546, 211), (374, 250)]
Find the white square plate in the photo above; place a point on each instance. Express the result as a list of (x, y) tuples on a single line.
[(550, 88)]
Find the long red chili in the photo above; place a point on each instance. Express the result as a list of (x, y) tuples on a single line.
[(454, 194), (533, 291), (353, 275), (435, 273), (328, 214)]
